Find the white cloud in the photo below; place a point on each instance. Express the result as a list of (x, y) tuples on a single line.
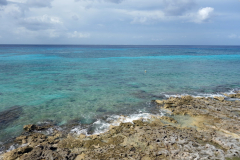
[(75, 17), (146, 16), (178, 7), (233, 36), (39, 3), (204, 15), (77, 34), (40, 34), (14, 11), (40, 23), (112, 1), (151, 12), (93, 21), (53, 33)]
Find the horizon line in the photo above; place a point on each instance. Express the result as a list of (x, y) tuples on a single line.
[(129, 44)]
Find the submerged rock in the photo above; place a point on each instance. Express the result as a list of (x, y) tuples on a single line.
[(32, 127), (101, 110), (10, 115)]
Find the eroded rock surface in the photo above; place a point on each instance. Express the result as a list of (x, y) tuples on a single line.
[(197, 128)]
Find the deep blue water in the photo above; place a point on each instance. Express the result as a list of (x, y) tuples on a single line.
[(82, 83)]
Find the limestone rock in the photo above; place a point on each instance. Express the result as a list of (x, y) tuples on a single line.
[(29, 127), (159, 102), (219, 98), (237, 95), (169, 119), (198, 128)]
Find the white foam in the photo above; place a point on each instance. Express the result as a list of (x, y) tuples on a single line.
[(101, 126), (174, 95), (12, 147), (209, 95), (124, 119), (79, 130), (206, 95), (233, 91)]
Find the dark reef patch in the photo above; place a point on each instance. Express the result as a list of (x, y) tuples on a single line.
[(145, 95), (101, 110), (10, 115)]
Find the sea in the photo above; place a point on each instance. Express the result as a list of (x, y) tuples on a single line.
[(91, 85)]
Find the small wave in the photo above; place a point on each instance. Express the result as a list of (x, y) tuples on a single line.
[(101, 126), (233, 91), (12, 147), (79, 130), (205, 95)]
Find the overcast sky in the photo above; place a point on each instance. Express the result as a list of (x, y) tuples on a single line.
[(150, 22)]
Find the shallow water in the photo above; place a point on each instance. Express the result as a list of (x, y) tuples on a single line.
[(83, 83)]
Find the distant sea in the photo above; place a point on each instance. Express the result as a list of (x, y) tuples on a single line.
[(84, 83)]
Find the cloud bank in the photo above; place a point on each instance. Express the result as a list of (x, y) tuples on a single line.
[(3, 2), (108, 21), (40, 23), (39, 3), (177, 7)]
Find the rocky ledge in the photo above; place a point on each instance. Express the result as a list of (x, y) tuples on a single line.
[(193, 128)]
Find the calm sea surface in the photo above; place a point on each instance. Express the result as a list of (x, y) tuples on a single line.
[(68, 83)]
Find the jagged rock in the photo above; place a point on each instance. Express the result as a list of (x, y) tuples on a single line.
[(32, 127), (219, 98), (29, 127), (159, 102), (169, 119), (237, 95), (204, 128), (15, 154)]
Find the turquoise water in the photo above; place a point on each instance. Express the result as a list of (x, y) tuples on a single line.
[(84, 83)]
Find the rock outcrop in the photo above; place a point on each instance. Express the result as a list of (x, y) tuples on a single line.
[(196, 128)]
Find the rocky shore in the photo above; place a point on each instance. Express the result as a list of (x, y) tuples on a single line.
[(193, 128)]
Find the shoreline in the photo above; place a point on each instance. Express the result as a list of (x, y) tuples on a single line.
[(194, 128)]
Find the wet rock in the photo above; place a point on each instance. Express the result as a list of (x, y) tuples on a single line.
[(82, 136), (33, 127), (169, 119), (21, 139), (29, 128), (15, 154), (160, 102), (207, 128), (237, 95), (219, 98)]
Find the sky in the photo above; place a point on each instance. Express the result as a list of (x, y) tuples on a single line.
[(120, 22)]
